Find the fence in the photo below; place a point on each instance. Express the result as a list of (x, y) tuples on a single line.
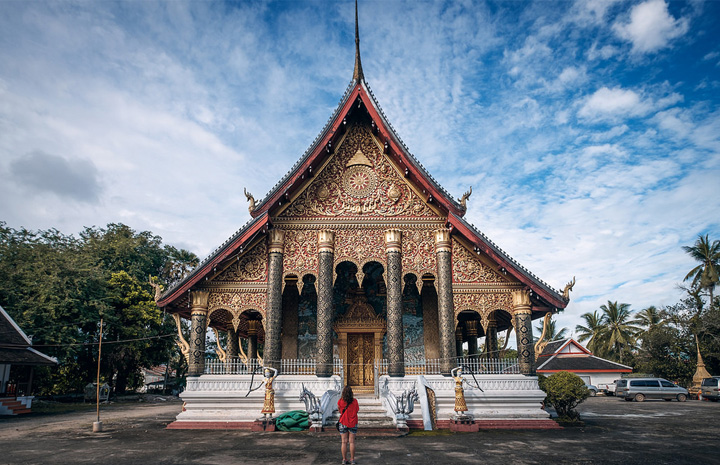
[(476, 365), (236, 366)]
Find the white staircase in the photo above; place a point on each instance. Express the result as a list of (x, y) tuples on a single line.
[(372, 413)]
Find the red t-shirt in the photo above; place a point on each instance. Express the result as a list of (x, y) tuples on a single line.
[(349, 418)]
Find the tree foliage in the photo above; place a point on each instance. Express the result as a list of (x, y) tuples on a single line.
[(57, 288), (564, 391)]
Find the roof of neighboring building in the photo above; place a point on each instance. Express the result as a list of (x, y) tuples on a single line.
[(15, 345), (552, 359)]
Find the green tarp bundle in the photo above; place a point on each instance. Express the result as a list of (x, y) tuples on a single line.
[(294, 420)]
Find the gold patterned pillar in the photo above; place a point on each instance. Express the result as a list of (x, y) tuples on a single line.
[(396, 351), (273, 325), (324, 343), (446, 312), (198, 325), (491, 338), (523, 330), (471, 327)]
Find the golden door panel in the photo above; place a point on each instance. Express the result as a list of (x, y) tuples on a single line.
[(361, 358)]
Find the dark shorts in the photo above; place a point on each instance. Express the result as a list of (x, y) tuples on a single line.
[(345, 429)]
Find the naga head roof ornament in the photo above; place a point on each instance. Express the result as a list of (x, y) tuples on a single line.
[(357, 72)]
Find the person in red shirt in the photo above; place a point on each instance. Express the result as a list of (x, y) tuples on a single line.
[(348, 408)]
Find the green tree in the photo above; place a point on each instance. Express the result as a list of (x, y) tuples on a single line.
[(552, 334), (57, 287), (619, 331), (591, 331), (565, 391), (705, 275)]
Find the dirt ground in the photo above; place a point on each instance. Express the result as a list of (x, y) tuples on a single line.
[(134, 433)]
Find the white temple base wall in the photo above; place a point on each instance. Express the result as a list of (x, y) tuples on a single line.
[(225, 398)]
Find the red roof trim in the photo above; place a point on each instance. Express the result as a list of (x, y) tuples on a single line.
[(229, 250)]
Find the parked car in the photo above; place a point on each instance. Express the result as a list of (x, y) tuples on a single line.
[(593, 389), (639, 389), (710, 388), (607, 388)]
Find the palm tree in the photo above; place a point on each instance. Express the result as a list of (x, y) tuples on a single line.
[(591, 331), (619, 330), (552, 334), (705, 275), (649, 317)]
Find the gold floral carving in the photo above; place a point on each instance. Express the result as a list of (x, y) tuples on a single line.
[(301, 252), (467, 268), (418, 252), (483, 303), (359, 190), (237, 302), (360, 246), (252, 267)]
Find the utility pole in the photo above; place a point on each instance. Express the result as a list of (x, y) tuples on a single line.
[(97, 426)]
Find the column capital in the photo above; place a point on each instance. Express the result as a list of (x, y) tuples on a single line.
[(521, 301), (276, 239), (253, 327), (442, 240), (459, 332), (326, 241), (199, 301), (393, 240)]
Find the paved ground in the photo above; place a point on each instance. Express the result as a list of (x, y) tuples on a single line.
[(615, 432)]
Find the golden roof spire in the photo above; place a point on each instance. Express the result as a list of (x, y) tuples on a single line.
[(358, 72)]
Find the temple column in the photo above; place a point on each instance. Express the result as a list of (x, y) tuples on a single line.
[(252, 342), (198, 326), (396, 351), (491, 339), (523, 331), (273, 322), (324, 343), (446, 312), (232, 343), (472, 335)]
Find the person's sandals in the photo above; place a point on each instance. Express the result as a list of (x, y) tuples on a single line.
[(345, 462)]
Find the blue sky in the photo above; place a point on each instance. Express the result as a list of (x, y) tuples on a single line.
[(589, 131)]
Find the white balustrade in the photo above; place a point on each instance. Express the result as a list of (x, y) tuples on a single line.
[(476, 365)]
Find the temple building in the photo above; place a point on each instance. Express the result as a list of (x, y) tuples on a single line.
[(359, 268)]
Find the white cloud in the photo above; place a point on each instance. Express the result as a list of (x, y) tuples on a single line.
[(606, 102), (651, 27)]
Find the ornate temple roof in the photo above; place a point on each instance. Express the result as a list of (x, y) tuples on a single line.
[(358, 97)]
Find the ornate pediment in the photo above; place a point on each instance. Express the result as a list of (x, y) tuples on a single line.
[(469, 268), (360, 316), (359, 181), (252, 267)]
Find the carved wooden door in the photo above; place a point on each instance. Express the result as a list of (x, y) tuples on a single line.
[(361, 358)]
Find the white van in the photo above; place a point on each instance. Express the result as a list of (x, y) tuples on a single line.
[(639, 389), (710, 388)]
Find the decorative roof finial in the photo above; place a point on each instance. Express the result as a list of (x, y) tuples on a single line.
[(358, 72)]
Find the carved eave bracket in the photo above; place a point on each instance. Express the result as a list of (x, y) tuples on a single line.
[(568, 287), (464, 199)]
